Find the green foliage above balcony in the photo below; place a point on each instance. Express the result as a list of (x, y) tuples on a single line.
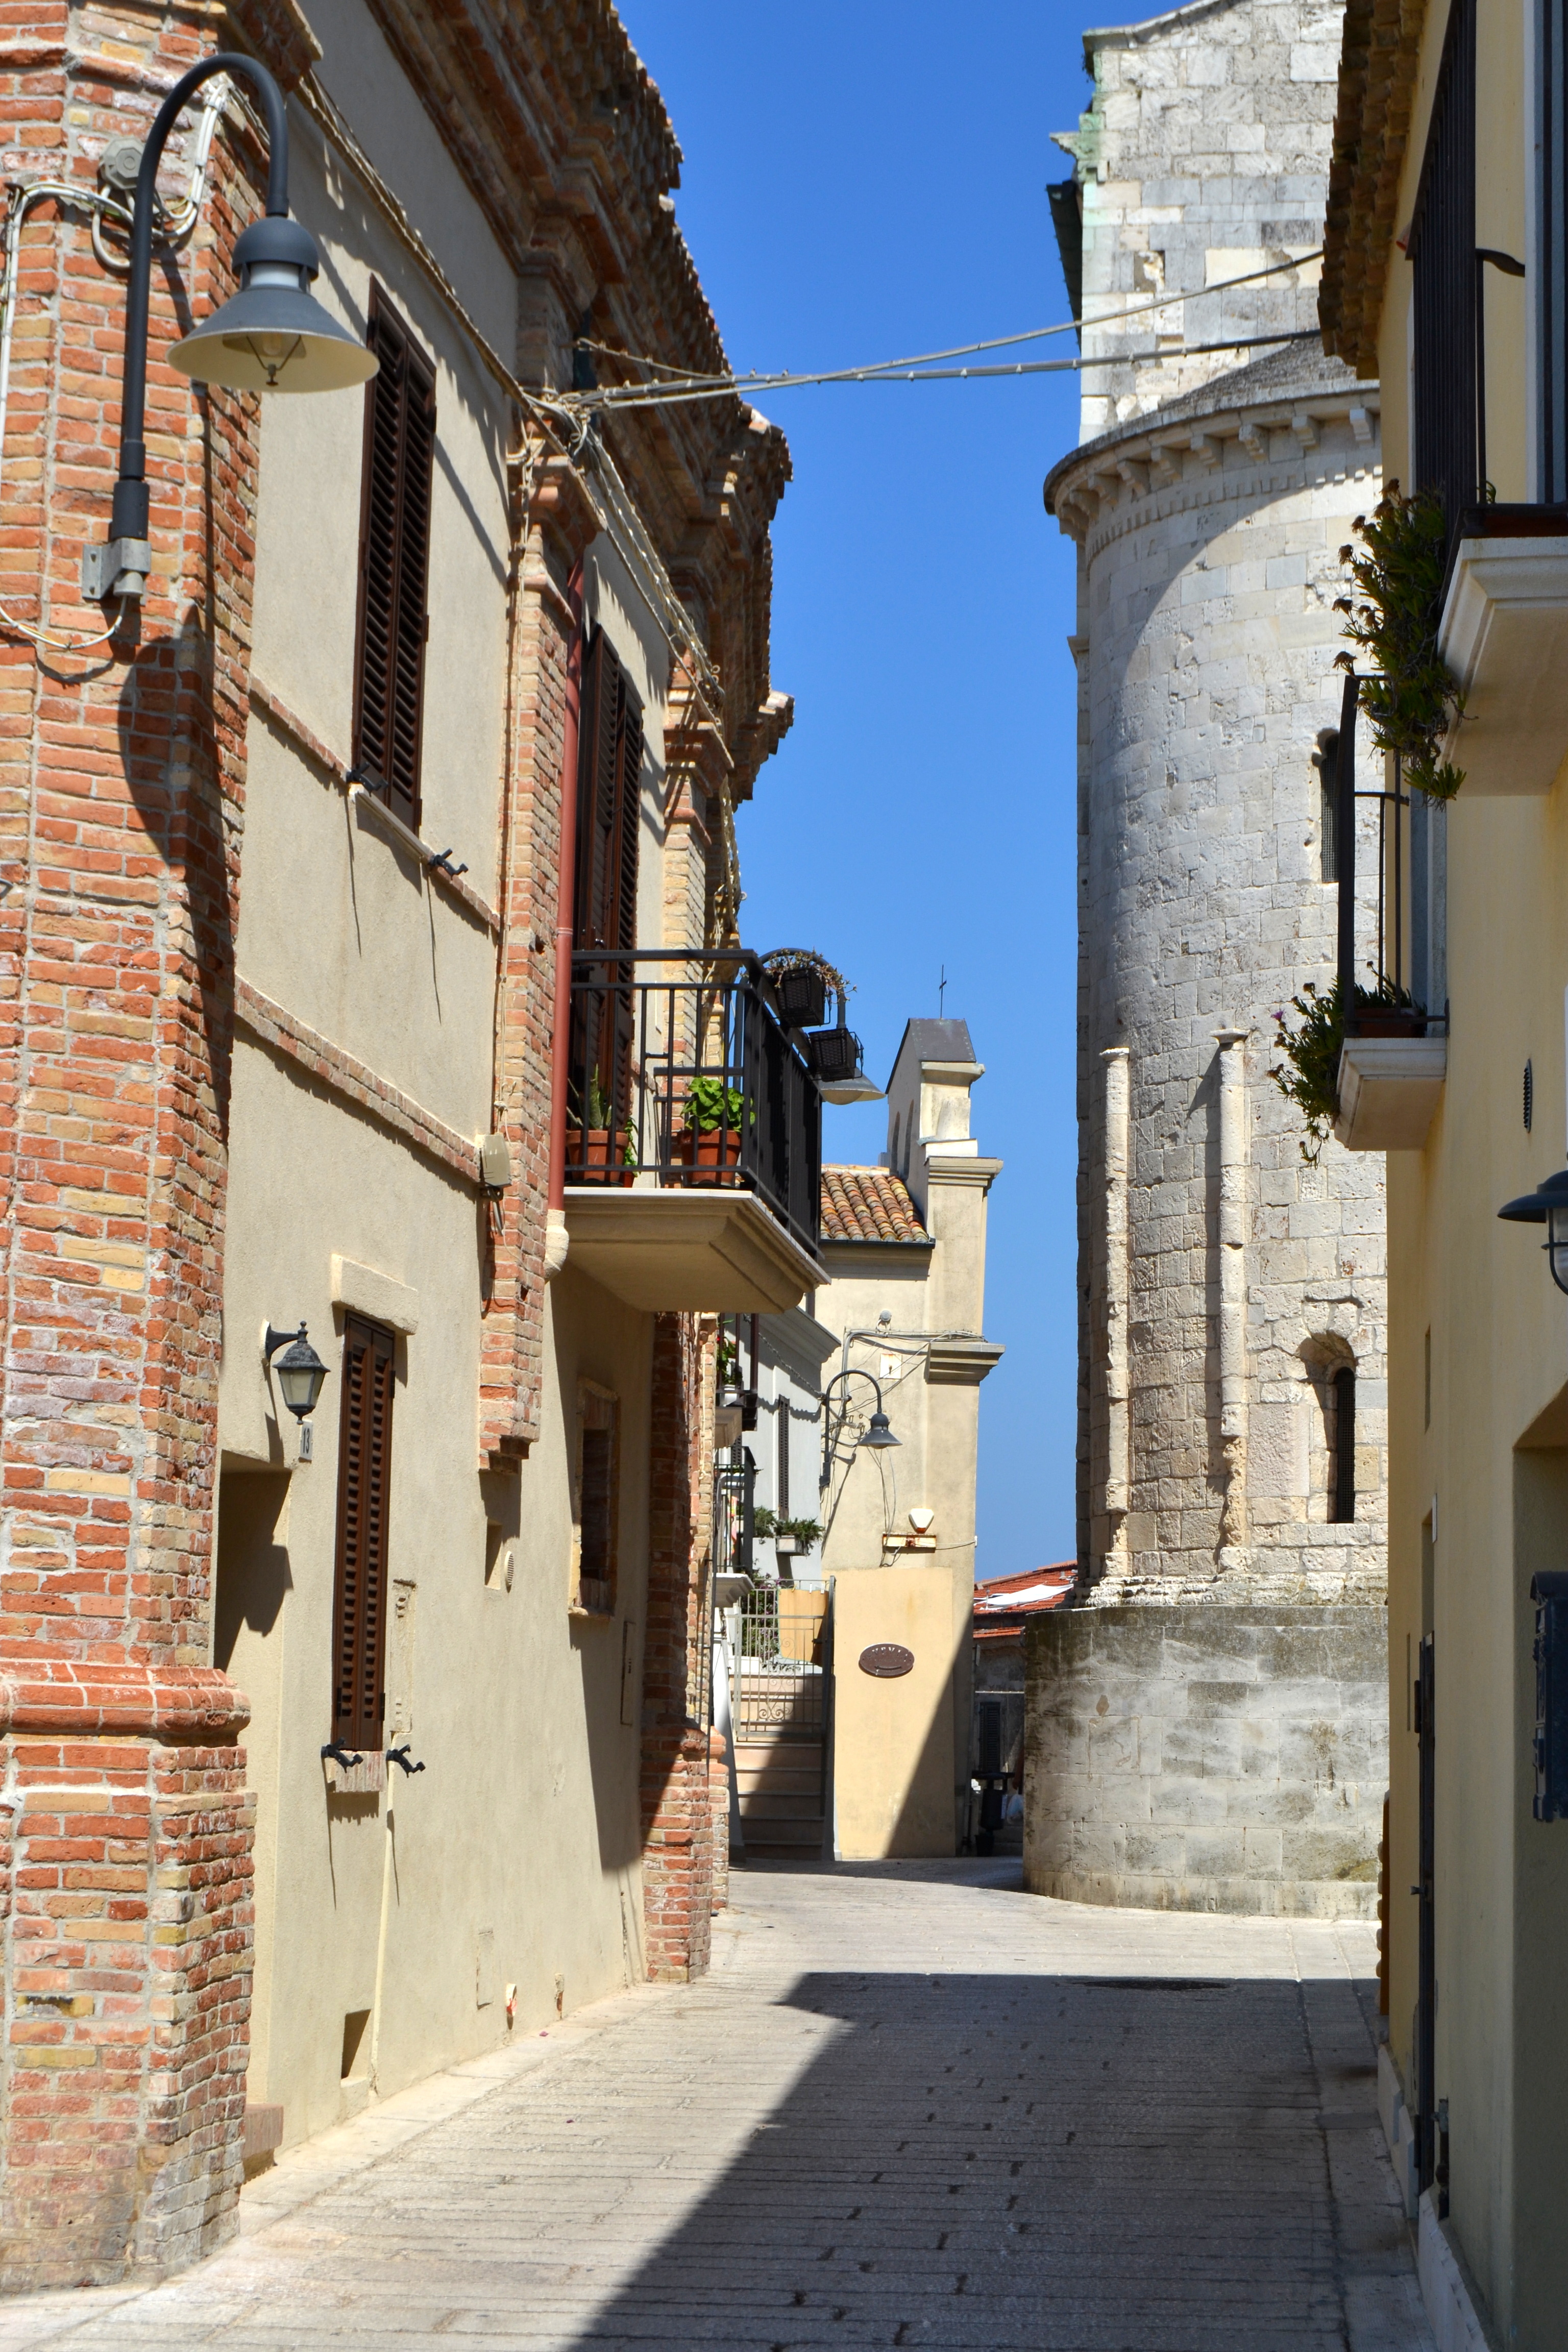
[(710, 1104), (1394, 617)]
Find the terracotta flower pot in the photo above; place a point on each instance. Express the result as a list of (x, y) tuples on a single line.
[(603, 1151), (1390, 1021), (712, 1153)]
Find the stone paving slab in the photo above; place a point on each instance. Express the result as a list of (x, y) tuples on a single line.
[(911, 2106)]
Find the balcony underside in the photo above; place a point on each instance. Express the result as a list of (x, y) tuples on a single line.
[(1504, 635), (667, 1249), (1389, 1089)]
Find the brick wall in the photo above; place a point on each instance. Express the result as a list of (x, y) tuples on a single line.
[(126, 1893), (677, 1798)]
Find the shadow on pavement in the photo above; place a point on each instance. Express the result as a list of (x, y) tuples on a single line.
[(1111, 2164)]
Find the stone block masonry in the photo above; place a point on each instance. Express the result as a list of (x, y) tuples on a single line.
[(1207, 1759), (1223, 1282)]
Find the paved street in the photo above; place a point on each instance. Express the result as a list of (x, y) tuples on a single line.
[(911, 2106)]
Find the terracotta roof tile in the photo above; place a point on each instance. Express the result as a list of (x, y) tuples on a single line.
[(868, 1204)]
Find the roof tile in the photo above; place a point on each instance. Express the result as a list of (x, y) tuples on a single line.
[(868, 1204)]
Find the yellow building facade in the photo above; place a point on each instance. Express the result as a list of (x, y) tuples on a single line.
[(1443, 279)]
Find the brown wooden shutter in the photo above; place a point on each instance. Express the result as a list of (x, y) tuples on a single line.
[(605, 900), (395, 562), (359, 1595)]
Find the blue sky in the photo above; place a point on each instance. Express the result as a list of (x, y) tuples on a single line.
[(863, 180)]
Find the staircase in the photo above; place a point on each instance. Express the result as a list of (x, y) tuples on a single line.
[(780, 1783)]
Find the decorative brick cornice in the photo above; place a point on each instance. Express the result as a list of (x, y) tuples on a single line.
[(275, 31), (81, 1698), (352, 1081), (1379, 57)]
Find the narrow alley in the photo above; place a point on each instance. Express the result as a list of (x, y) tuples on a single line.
[(910, 2105)]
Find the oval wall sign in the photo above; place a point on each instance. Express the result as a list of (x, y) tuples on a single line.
[(887, 1659)]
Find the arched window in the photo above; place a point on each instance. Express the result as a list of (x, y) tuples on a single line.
[(1331, 1371)]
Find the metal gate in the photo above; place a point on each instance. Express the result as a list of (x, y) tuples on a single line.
[(782, 1664)]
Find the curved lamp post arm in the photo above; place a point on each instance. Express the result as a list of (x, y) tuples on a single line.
[(128, 520), (832, 1431)]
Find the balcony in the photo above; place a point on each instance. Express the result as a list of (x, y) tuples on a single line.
[(1392, 975), (694, 1135), (1504, 634)]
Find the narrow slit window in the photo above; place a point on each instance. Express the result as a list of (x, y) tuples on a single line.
[(1342, 1447), (394, 562), (360, 1583), (1326, 760)]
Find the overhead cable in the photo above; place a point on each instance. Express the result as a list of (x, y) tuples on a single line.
[(697, 387)]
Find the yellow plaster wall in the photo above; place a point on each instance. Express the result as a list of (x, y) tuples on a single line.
[(896, 1757)]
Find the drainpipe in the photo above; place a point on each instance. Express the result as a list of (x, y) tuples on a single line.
[(1118, 1306), (555, 1213), (1233, 1286)]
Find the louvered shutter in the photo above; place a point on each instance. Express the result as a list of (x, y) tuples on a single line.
[(359, 1596), (609, 779), (395, 562)]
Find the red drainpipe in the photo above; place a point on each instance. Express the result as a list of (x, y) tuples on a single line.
[(565, 898)]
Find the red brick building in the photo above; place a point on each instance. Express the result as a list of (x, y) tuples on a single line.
[(283, 1034)]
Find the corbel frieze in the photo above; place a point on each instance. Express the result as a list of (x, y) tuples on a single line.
[(278, 33), (563, 507)]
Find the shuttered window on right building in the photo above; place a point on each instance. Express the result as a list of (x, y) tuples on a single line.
[(394, 562)]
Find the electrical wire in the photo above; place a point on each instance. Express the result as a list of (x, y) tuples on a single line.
[(613, 396), (174, 228)]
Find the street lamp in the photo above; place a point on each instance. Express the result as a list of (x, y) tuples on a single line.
[(877, 1434), (300, 1371), (1548, 1206), (273, 336)]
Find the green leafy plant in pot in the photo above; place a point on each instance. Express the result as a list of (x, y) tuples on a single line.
[(1310, 1075), (1394, 615), (711, 1121), (604, 1165)]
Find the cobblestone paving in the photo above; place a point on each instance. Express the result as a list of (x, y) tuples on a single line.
[(911, 2106)]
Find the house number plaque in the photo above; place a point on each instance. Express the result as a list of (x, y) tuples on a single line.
[(887, 1659)]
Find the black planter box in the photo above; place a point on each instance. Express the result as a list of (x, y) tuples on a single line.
[(834, 1052), (802, 999)]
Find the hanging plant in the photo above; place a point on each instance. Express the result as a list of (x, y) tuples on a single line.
[(1310, 1075), (1394, 616)]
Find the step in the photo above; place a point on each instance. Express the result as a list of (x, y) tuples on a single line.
[(798, 1805)]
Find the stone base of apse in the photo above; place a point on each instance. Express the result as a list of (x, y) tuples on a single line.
[(1206, 1756)]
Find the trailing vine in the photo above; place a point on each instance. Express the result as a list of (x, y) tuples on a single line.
[(1394, 616)]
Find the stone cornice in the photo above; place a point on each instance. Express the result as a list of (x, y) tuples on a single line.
[(1150, 467), (1379, 58)]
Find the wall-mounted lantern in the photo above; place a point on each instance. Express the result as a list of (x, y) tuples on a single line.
[(273, 336), (300, 1371), (1548, 1206)]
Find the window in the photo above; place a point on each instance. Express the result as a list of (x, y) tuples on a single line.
[(604, 899), (598, 1497), (394, 562), (1326, 760), (1442, 248), (359, 1584), (1341, 1446), (780, 1433)]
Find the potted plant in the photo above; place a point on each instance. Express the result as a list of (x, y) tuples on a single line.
[(1394, 615), (601, 1166), (797, 1535), (801, 979), (709, 1137), (1310, 1075)]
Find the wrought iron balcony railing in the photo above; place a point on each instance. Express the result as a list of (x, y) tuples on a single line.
[(681, 1076), (1392, 968)]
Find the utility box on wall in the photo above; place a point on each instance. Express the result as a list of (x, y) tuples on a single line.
[(1550, 1594)]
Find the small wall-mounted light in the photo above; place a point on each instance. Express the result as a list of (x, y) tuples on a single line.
[(1548, 1206), (300, 1371), (878, 1433)]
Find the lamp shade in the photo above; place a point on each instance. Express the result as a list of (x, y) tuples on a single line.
[(1548, 1206), (298, 1371), (879, 1433), (273, 335)]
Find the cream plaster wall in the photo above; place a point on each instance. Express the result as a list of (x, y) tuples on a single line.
[(515, 1708), (1489, 1466), (899, 1744)]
